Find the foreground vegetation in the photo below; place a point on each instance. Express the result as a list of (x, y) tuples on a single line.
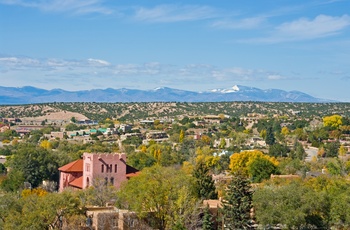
[(176, 174)]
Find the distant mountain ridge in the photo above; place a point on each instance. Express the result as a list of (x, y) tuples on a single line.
[(31, 95)]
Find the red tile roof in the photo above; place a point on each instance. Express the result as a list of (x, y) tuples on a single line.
[(75, 166), (131, 171), (78, 182), (129, 175)]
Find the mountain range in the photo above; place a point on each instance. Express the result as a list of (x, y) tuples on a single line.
[(31, 95)]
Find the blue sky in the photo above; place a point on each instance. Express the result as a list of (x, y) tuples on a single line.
[(192, 45)]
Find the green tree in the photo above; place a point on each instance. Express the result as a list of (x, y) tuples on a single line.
[(331, 149), (164, 193), (205, 186), (278, 150), (237, 203), (340, 218), (9, 205), (44, 212), (207, 223), (292, 205), (73, 119), (261, 169), (13, 181), (141, 160), (254, 164), (2, 168), (270, 137), (222, 144), (299, 151), (35, 164)]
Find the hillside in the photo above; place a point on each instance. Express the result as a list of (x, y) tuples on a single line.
[(168, 110)]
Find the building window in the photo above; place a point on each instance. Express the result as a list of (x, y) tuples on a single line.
[(87, 182), (87, 167), (106, 181), (112, 180), (115, 168), (102, 168), (110, 168), (115, 222)]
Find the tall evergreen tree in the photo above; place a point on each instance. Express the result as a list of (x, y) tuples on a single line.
[(270, 137), (207, 223), (237, 203), (205, 186), (299, 151)]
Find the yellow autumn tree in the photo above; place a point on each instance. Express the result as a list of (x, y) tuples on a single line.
[(205, 139), (182, 136), (321, 152), (143, 148), (342, 150), (187, 167), (15, 141), (157, 155), (36, 191), (254, 164), (285, 131), (334, 121), (205, 154), (46, 144)]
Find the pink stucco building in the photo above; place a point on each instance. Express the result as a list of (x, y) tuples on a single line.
[(108, 167)]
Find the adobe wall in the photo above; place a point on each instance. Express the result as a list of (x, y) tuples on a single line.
[(109, 167)]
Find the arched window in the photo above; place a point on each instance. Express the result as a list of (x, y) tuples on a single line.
[(112, 180), (102, 168), (115, 168), (87, 182)]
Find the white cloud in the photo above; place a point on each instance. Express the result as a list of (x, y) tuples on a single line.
[(51, 63), (306, 29), (321, 26), (174, 13), (19, 62), (98, 62), (245, 23), (72, 6), (53, 73), (237, 73), (275, 77)]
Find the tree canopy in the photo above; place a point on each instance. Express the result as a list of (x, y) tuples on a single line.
[(165, 193), (254, 164)]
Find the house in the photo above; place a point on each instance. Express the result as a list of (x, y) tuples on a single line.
[(155, 136), (212, 119), (109, 167), (3, 128), (54, 135), (125, 128), (87, 122), (130, 135), (2, 159), (113, 218), (24, 129)]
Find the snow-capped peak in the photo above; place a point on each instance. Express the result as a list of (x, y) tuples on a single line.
[(234, 89)]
